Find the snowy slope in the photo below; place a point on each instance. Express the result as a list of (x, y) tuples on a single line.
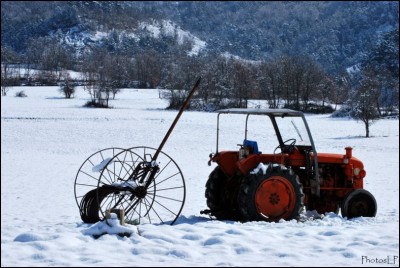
[(154, 28), (168, 28), (45, 139)]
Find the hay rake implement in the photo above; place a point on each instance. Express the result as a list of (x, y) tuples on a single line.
[(143, 182)]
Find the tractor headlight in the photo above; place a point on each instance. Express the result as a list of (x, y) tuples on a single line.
[(359, 172)]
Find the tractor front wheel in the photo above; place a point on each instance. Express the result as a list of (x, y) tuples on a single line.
[(359, 203), (276, 195)]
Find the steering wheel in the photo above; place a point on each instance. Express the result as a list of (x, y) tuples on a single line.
[(288, 146)]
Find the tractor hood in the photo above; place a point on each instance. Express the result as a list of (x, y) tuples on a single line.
[(353, 166), (347, 158), (339, 159)]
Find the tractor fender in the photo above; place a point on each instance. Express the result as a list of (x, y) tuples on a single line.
[(246, 165)]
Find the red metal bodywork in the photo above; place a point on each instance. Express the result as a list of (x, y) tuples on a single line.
[(339, 174)]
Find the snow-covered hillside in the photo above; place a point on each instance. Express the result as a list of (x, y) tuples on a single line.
[(168, 28), (156, 29), (45, 139)]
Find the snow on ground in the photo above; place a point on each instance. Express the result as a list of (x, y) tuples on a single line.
[(45, 139)]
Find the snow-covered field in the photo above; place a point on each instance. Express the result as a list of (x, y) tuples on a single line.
[(45, 139)]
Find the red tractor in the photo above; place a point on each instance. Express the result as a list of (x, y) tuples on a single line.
[(250, 185)]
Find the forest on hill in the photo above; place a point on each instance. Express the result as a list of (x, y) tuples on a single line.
[(289, 53)]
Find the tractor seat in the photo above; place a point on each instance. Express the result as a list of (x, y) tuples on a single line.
[(252, 145)]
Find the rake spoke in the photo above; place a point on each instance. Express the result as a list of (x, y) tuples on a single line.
[(171, 188), (168, 178), (169, 198), (152, 208), (84, 184)]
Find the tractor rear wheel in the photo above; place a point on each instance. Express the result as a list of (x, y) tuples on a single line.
[(276, 195), (359, 203), (217, 196)]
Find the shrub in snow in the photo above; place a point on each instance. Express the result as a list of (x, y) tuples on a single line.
[(21, 94), (95, 104), (68, 89)]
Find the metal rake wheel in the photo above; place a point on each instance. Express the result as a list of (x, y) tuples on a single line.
[(87, 176), (146, 183), (143, 182)]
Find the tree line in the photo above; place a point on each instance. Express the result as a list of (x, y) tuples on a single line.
[(286, 81), (298, 82)]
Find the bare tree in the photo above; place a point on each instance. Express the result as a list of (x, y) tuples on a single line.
[(115, 73), (285, 70), (342, 88), (5, 78), (179, 77), (243, 83), (269, 83), (104, 75), (222, 85), (363, 102), (90, 75), (313, 80), (148, 69), (8, 57), (48, 55), (325, 89), (67, 87)]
